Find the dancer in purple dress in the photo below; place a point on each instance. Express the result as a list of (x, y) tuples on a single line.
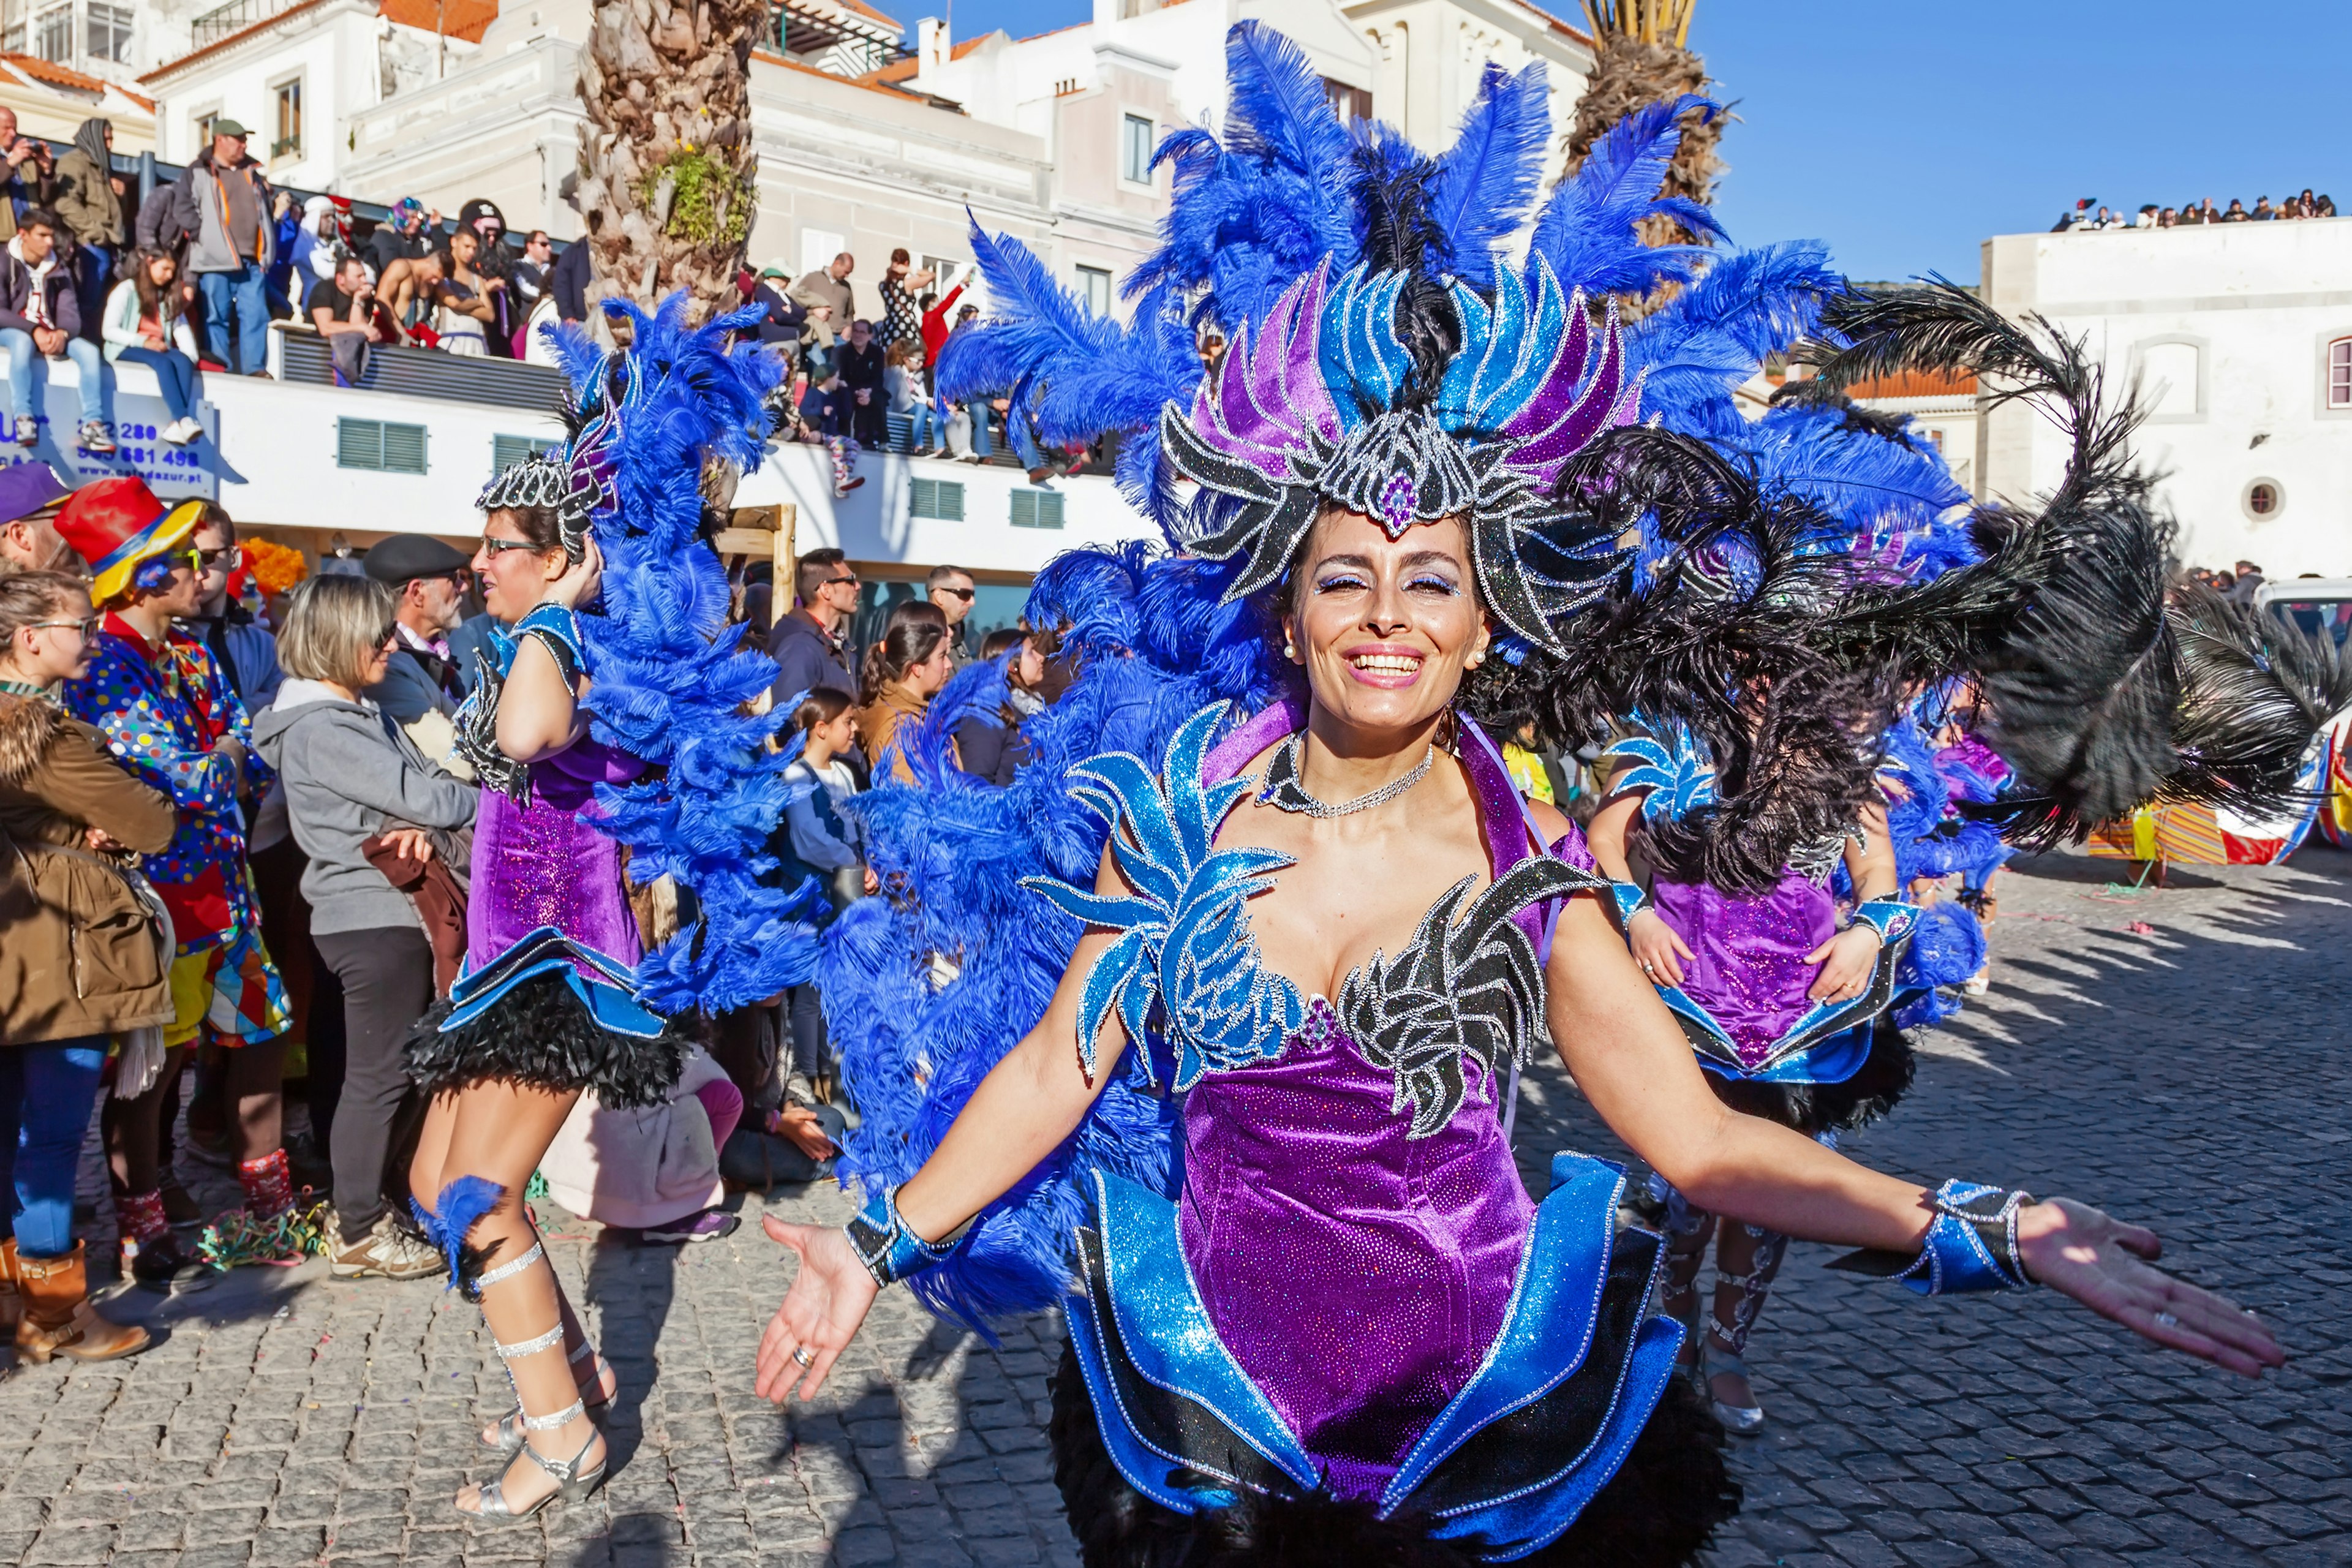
[(1208, 1027), (614, 717), (1784, 991)]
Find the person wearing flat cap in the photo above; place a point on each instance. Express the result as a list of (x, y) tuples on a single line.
[(29, 540), (428, 579)]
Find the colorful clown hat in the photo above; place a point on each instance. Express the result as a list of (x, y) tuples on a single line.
[(115, 524)]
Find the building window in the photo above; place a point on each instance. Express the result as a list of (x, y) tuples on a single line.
[(1348, 102), (53, 34), (2264, 500), (204, 131), (1093, 282), (1036, 509), (506, 451), (1135, 149), (288, 139), (108, 33), (2339, 373), (383, 447), (939, 498), (2172, 380)]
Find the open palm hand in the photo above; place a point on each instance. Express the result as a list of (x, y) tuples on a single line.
[(821, 1314), (2105, 1265)]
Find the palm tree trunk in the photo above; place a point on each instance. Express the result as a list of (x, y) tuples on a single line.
[(1641, 57), (667, 178)]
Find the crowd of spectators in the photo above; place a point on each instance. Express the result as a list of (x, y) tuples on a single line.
[(190, 279), (870, 383), (234, 846), (2152, 215)]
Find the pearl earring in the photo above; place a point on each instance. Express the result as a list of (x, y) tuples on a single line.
[(1477, 657), (1291, 651)]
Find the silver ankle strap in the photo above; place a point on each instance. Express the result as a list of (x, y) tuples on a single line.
[(563, 1417), (533, 1345), (504, 1271)]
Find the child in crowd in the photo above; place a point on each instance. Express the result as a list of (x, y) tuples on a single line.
[(823, 842), (902, 376)]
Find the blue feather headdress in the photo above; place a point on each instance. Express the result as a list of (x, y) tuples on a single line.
[(671, 684)]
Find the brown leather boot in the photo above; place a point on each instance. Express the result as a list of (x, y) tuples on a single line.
[(58, 1318), (12, 1305)]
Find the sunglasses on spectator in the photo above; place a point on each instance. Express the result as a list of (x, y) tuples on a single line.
[(494, 548), (87, 626), (208, 559), (837, 582), (963, 594)]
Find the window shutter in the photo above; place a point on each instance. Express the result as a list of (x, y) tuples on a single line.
[(1024, 508), (359, 443), (951, 500), (403, 449), (506, 451)]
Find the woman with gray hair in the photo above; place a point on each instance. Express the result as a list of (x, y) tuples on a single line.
[(352, 775)]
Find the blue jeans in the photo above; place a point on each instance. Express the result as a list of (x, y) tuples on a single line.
[(46, 1093), (23, 357), (175, 373), (1024, 439), (982, 445), (925, 418), (244, 292)]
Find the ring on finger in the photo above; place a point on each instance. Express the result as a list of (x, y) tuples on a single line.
[(801, 1354), (2167, 1321)]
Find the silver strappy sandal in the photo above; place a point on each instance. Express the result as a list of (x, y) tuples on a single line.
[(510, 1425), (1742, 1419), (571, 1480)]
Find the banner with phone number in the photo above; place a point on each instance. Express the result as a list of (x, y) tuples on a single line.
[(174, 473)]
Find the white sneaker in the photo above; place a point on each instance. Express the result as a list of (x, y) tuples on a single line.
[(180, 432)]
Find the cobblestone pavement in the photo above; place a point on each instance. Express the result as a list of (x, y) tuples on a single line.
[(2178, 1056)]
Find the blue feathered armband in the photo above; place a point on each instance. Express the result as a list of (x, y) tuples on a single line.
[(558, 629), (883, 1243), (1972, 1246), (1892, 919)]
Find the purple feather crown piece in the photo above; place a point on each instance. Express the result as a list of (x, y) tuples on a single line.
[(1304, 413)]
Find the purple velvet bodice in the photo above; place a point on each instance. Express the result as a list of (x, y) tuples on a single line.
[(540, 864), (1748, 967), (1358, 1275)]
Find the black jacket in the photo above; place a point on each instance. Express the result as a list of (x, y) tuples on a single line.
[(807, 658), (16, 291), (570, 280), (860, 369)]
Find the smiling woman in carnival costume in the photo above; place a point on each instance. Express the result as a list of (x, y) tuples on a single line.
[(1232, 1077), (613, 718)]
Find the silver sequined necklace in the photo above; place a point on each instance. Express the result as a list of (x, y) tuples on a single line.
[(1284, 792)]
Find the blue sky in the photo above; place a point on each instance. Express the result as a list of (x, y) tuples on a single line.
[(1905, 133)]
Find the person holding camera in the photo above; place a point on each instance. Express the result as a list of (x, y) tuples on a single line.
[(344, 308), (24, 181)]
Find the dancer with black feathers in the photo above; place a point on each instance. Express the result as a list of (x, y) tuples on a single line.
[(1284, 907)]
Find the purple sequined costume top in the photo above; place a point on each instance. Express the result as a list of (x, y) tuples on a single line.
[(1747, 962), (540, 864), (1357, 1275)]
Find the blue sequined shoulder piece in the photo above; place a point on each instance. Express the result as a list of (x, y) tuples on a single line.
[(1184, 938), (1670, 764)]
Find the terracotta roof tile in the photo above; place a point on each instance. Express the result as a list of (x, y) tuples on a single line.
[(1916, 383), (54, 74), (467, 19), (233, 38), (863, 9)]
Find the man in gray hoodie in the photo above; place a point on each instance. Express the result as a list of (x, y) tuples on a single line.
[(224, 207), (351, 776)]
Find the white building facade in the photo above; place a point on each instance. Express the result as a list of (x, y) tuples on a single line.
[(2239, 339)]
